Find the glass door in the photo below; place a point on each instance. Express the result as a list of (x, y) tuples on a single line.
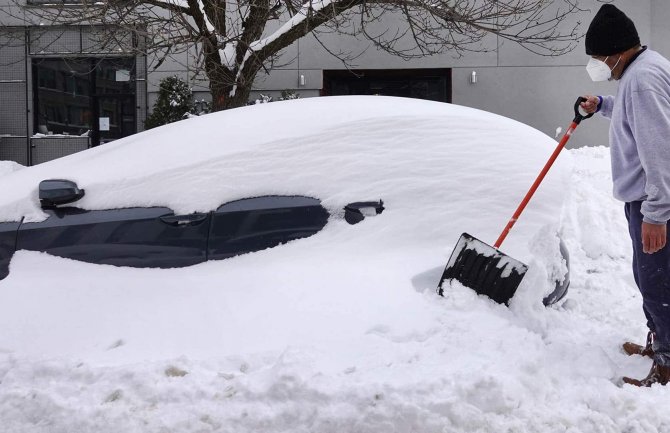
[(115, 98), (117, 117)]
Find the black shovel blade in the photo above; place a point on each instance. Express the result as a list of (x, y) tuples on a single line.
[(484, 269)]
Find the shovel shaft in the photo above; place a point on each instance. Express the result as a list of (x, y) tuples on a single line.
[(536, 184)]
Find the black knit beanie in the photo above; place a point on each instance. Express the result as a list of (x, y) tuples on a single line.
[(610, 32)]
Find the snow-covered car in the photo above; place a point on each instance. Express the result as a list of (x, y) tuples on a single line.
[(156, 237), (413, 174)]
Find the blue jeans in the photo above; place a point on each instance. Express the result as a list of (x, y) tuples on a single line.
[(652, 276)]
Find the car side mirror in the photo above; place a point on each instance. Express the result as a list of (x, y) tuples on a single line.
[(55, 192), (356, 212)]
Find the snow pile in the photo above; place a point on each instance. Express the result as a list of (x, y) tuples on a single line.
[(7, 167), (343, 331)]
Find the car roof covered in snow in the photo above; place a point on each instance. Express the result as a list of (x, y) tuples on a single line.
[(442, 161)]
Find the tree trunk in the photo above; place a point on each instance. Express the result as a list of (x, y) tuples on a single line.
[(229, 89), (240, 98), (222, 98), (225, 92)]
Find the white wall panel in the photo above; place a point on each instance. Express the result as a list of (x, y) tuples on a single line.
[(542, 97)]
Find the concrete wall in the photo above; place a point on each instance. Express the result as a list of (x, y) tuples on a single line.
[(540, 96), (540, 91), (11, 14), (660, 26)]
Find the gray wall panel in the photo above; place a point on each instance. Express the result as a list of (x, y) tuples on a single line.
[(277, 80), (50, 148), (314, 56), (14, 149), (79, 40), (13, 109), (199, 83), (181, 64), (153, 82), (513, 54), (287, 58), (11, 67), (11, 15), (12, 55), (105, 40), (542, 97), (660, 26), (55, 40), (313, 80), (173, 62)]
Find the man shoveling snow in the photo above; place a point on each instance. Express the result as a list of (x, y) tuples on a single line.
[(640, 151)]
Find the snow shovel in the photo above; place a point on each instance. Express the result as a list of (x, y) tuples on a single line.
[(484, 268)]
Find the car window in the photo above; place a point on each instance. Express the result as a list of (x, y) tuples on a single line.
[(269, 202), (258, 223)]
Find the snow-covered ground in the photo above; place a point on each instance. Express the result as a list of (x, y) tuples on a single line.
[(143, 356)]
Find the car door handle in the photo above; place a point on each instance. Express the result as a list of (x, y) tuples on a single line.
[(184, 220)]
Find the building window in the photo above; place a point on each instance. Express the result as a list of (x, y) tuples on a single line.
[(85, 96), (431, 84)]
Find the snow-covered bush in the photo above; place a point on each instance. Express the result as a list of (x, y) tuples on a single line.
[(286, 95), (200, 107), (263, 99), (175, 101)]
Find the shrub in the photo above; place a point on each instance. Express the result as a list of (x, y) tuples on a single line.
[(175, 101)]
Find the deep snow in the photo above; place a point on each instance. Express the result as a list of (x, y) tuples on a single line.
[(296, 347), (408, 363)]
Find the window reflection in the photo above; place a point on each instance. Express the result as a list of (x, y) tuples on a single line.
[(431, 84), (72, 95)]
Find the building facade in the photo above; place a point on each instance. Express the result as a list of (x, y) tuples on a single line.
[(63, 91)]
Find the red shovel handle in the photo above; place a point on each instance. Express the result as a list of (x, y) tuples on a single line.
[(578, 118)]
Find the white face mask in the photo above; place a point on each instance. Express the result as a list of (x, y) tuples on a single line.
[(598, 69)]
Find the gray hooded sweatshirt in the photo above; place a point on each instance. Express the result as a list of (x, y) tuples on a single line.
[(640, 135)]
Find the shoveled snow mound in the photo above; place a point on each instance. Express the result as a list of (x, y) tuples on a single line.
[(307, 345)]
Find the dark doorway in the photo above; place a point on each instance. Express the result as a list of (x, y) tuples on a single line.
[(85, 96), (431, 84)]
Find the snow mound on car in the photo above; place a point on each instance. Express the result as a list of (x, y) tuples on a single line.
[(415, 154), (7, 167)]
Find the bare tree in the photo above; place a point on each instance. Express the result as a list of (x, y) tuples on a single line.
[(235, 42)]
